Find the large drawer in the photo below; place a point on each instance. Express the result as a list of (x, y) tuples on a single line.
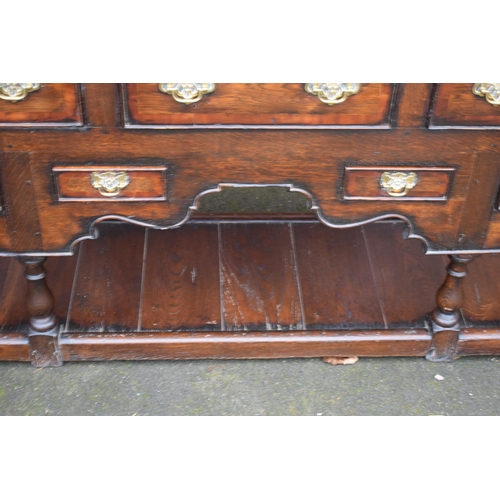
[(54, 104), (259, 105), (465, 105)]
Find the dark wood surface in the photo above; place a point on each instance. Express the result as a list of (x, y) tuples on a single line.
[(181, 280), (199, 161), (267, 104), (249, 290), (270, 281), (258, 272)]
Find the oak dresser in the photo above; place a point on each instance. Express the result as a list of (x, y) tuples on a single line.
[(75, 155)]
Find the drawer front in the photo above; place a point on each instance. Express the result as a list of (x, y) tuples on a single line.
[(397, 183), (52, 104), (257, 105), (105, 183), (464, 105)]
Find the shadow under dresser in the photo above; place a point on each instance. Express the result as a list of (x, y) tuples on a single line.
[(373, 162)]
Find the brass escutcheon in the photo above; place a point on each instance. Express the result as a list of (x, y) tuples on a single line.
[(17, 91), (398, 183), (109, 183), (490, 91), (186, 93), (332, 93)]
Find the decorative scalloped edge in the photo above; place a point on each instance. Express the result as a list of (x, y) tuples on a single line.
[(94, 232), (312, 205)]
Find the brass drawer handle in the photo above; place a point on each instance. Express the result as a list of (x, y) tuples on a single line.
[(186, 93), (398, 183), (109, 183), (17, 91), (332, 93), (490, 91)]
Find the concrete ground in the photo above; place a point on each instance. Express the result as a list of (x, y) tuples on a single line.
[(387, 386)]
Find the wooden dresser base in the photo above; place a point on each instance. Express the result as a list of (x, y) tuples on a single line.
[(248, 290)]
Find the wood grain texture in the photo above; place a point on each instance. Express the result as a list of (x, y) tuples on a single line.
[(200, 160), (481, 289), (107, 289), (60, 278), (406, 280), (55, 104), (257, 104), (101, 104), (258, 278), (22, 221), (14, 314), (479, 341), (480, 203), (456, 106), (181, 289), (336, 278), (14, 347), (364, 183), (413, 103)]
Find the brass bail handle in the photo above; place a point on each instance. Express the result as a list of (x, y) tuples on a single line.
[(15, 92), (332, 93), (109, 183), (398, 183)]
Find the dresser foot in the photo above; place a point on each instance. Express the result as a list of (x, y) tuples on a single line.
[(444, 345), (44, 349), (446, 316), (43, 325)]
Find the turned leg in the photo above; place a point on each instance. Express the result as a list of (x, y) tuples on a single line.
[(43, 327), (445, 318)]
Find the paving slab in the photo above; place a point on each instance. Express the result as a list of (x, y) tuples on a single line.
[(283, 387)]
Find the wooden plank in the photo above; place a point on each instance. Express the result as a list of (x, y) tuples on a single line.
[(14, 347), (60, 278), (108, 283), (336, 279), (406, 279), (258, 278), (481, 288), (253, 344), (479, 341), (181, 280)]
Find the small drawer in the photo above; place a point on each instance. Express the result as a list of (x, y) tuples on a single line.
[(44, 105), (258, 105), (397, 183), (466, 105), (106, 183)]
